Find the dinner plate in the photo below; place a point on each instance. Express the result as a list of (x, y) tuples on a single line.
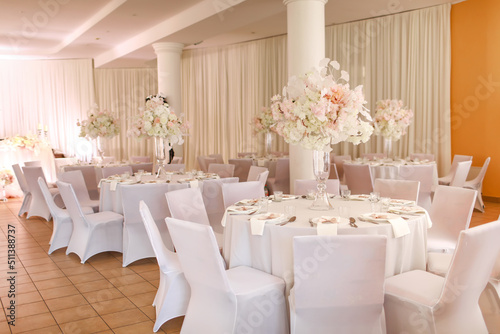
[(407, 209), (186, 180), (251, 201), (270, 217), (125, 182), (242, 210), (285, 197), (154, 181), (401, 202), (327, 220), (379, 216), (362, 197)]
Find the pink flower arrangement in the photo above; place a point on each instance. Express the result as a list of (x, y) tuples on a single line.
[(392, 119), (6, 177), (99, 124), (263, 122)]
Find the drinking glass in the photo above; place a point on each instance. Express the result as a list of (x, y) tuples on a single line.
[(345, 193)]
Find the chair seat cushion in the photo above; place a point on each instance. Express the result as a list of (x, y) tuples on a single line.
[(417, 285), (245, 280), (439, 263), (94, 204), (107, 217)]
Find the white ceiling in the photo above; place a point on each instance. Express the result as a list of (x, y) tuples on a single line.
[(119, 33)]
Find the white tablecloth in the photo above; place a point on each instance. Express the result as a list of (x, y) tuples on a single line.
[(273, 251)]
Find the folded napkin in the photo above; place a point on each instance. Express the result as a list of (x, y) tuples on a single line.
[(194, 184), (326, 229), (230, 209), (399, 227), (257, 225), (429, 221), (113, 184), (261, 162)]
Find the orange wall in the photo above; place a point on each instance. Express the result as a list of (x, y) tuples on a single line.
[(475, 86)]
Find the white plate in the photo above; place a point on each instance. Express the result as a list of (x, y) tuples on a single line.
[(407, 209), (333, 219), (270, 217), (362, 197), (401, 202), (186, 180), (252, 201), (379, 216), (242, 210), (285, 197), (128, 182), (154, 181)]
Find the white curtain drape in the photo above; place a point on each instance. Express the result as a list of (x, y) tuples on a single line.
[(123, 91), (403, 56), (47, 92)]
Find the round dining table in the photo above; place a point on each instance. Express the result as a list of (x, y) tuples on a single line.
[(272, 252)]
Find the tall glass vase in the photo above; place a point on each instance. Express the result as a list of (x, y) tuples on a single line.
[(162, 147), (3, 197), (388, 148), (99, 148), (321, 169), (268, 141)]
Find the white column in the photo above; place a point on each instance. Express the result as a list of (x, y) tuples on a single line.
[(169, 77), (306, 47)]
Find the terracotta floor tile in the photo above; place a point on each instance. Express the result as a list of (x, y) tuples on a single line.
[(150, 311), (144, 267), (85, 326), (113, 306), (152, 275), (62, 291), (34, 322), (88, 277), (143, 299), (74, 314), (82, 269), (173, 326), (68, 264), (53, 283), (94, 286), (26, 310), (37, 262), (116, 272), (124, 318), (20, 288), (24, 298), (155, 283), (102, 295), (47, 330), (141, 327), (106, 264), (126, 280), (4, 328), (47, 275), (65, 302), (134, 289), (41, 268)]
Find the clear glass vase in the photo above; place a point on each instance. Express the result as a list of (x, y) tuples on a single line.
[(99, 148), (3, 197), (321, 169), (388, 148), (162, 147), (268, 141)]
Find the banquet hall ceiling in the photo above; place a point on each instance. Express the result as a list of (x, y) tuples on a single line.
[(119, 33)]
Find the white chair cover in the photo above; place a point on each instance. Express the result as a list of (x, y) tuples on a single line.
[(400, 189), (422, 156), (61, 162), (450, 213), (333, 171), (93, 233), (358, 178), (425, 175), (239, 300), (234, 192), (176, 160), (253, 173), (38, 206), (241, 168), (445, 180), (223, 170), (338, 160), (201, 163), (373, 156), (35, 163), (461, 172), (75, 178), (140, 158), (173, 293), (262, 178), (281, 179), (246, 154), (435, 304), (146, 167), (339, 284), (218, 158), (477, 184), (25, 189), (136, 244), (174, 167), (303, 187), (116, 170), (89, 174), (187, 204)]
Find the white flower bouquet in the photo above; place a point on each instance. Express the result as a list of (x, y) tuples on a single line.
[(99, 124), (6, 177), (391, 119), (317, 110), (263, 122)]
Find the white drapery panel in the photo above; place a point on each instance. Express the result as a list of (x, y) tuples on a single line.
[(124, 91), (223, 88), (403, 56), (47, 92)]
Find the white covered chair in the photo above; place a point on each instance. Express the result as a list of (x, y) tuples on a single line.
[(24, 187), (333, 171), (223, 170), (176, 160), (373, 156), (140, 158), (218, 158), (62, 226), (136, 244), (234, 192), (281, 179), (246, 154), (422, 156), (358, 178), (304, 187), (187, 204), (173, 293), (445, 180), (146, 167), (174, 167), (423, 174), (75, 178), (92, 233), (38, 206), (338, 160), (241, 168), (345, 291), (34, 163), (461, 172), (116, 170), (254, 172), (61, 162), (398, 189), (89, 174), (477, 184), (450, 213), (435, 304), (238, 300)]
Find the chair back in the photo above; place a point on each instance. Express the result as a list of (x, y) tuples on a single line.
[(246, 154), (262, 178), (201, 163), (373, 156), (253, 173), (218, 158), (338, 160), (146, 167), (234, 192), (89, 174), (282, 175), (176, 160), (212, 195), (480, 176), (35, 163), (21, 179), (461, 172), (61, 162), (71, 202), (450, 213), (425, 175), (174, 167), (422, 156), (75, 178), (358, 178), (397, 189), (456, 159), (346, 292), (116, 170), (140, 158), (187, 204), (334, 174), (304, 187), (241, 168), (223, 170), (55, 211), (31, 175)]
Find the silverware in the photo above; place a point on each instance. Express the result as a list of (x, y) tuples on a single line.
[(292, 219), (352, 222)]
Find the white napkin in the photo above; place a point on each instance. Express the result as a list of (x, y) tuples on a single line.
[(326, 229), (257, 225), (194, 184), (261, 162), (113, 184), (399, 227), (429, 221)]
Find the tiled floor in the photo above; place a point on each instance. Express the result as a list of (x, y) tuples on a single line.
[(57, 294)]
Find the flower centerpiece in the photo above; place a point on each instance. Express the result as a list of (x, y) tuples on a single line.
[(158, 120), (264, 123), (391, 120), (317, 110), (6, 178), (29, 142), (100, 124)]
